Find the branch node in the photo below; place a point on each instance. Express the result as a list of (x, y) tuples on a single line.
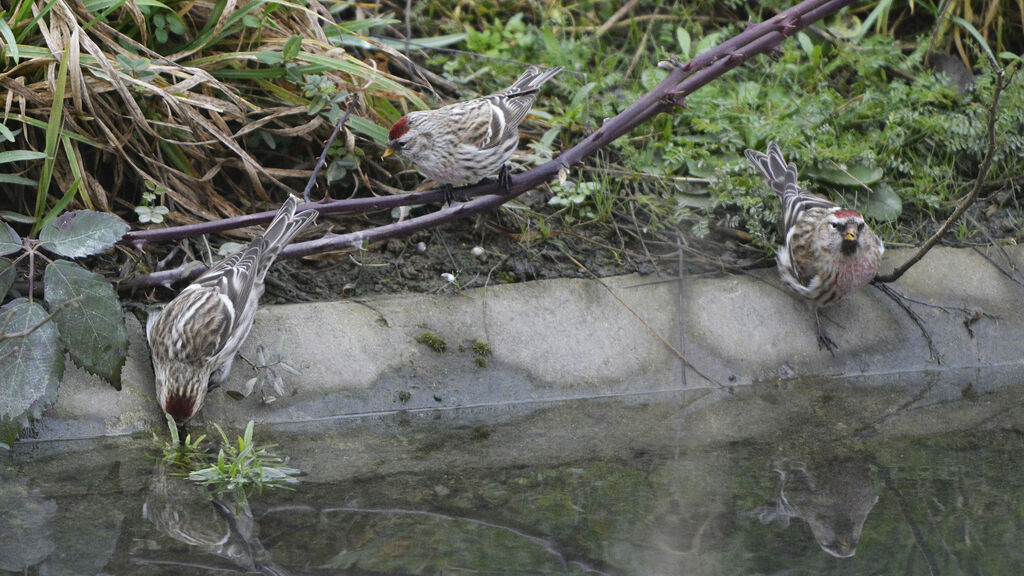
[(786, 28)]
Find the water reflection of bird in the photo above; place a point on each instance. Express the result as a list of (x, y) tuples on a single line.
[(186, 512), (834, 498)]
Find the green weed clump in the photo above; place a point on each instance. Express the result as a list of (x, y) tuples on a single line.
[(239, 468), (432, 341)]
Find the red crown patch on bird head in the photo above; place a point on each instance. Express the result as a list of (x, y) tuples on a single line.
[(180, 406), (844, 214), (399, 129)]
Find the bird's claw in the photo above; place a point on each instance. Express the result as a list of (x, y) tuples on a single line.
[(505, 179), (823, 338), (449, 195)]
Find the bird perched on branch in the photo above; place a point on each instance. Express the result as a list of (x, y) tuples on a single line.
[(194, 338), (829, 250), (465, 142)]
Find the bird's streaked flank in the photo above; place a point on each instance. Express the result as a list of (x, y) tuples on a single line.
[(194, 339)]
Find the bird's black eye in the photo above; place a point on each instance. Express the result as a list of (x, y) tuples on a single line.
[(399, 144), (837, 225), (860, 227)]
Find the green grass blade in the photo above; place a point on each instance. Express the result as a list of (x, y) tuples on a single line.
[(977, 38), (20, 156), (10, 44), (26, 30), (14, 179), (76, 171), (52, 135), (62, 203)]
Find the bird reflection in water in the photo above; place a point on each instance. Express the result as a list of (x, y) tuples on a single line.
[(834, 498), (188, 513)]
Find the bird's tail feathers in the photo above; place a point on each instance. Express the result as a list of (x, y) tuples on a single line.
[(531, 80), (780, 175), (285, 226)]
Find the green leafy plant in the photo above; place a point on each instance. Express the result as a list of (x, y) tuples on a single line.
[(187, 454), (150, 211), (243, 468), (82, 315)]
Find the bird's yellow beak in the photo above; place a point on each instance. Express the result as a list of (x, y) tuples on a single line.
[(389, 152), (851, 235)]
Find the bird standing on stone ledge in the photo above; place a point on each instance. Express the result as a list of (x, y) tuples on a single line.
[(193, 340), (829, 251)]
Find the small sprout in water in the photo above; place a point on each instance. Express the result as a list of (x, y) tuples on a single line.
[(432, 341), (404, 396), (244, 468), (185, 453)]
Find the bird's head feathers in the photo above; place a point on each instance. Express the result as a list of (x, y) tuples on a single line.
[(181, 389), (399, 129), (845, 227)]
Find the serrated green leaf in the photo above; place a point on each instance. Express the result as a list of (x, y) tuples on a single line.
[(6, 277), (31, 366), (852, 176), (93, 327), (82, 233), (10, 242)]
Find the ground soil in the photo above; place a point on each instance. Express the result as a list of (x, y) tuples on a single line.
[(476, 252)]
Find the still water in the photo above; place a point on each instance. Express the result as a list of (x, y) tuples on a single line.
[(801, 478)]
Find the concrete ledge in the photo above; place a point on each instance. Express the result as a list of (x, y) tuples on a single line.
[(560, 340)]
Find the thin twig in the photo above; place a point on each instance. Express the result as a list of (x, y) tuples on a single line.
[(323, 155), (642, 321), (993, 113), (933, 352)]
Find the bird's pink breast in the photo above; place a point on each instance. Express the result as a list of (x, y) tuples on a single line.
[(855, 274)]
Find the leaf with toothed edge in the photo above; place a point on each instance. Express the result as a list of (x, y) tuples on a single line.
[(30, 366), (82, 233), (6, 277), (10, 242), (93, 327)]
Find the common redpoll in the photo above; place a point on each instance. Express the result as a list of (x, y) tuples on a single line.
[(465, 142), (829, 251), (194, 339)]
